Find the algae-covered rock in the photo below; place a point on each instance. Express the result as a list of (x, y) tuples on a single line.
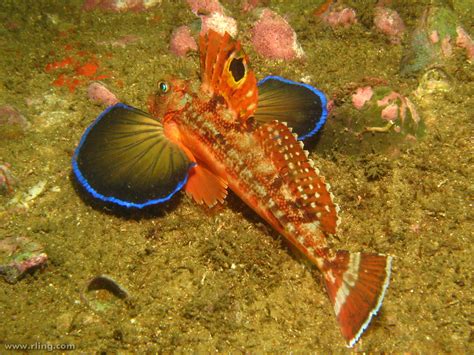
[(18, 256), (376, 119), (431, 42)]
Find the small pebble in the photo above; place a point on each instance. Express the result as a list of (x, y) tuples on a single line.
[(18, 256), (182, 42), (12, 122), (389, 22), (343, 18), (99, 94)]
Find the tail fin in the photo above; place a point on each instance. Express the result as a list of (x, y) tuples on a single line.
[(356, 284)]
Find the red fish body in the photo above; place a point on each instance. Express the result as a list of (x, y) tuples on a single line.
[(224, 128)]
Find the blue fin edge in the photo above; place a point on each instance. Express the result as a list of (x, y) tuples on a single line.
[(322, 97), (83, 181)]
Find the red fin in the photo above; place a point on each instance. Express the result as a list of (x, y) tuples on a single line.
[(225, 72), (306, 184), (205, 187), (356, 284)]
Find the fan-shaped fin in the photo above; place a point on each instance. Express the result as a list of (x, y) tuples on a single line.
[(300, 105), (124, 157), (225, 72), (205, 187)]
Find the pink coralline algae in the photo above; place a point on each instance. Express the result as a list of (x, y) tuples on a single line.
[(446, 46), (212, 16), (274, 38), (389, 22), (119, 5), (464, 41), (98, 93), (396, 105), (182, 42), (361, 96), (391, 106), (390, 112), (249, 5), (219, 23), (203, 7), (343, 18)]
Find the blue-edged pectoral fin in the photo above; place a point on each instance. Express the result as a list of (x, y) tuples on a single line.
[(125, 158), (300, 105)]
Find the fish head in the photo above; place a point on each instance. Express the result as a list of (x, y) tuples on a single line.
[(170, 98)]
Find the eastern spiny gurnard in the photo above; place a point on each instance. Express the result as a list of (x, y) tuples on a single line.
[(227, 132)]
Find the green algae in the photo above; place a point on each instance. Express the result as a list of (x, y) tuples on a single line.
[(221, 280)]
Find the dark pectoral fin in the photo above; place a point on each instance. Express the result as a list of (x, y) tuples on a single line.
[(300, 105), (125, 158)]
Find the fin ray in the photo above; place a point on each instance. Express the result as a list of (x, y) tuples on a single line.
[(124, 157), (356, 284), (225, 72), (205, 187), (300, 105)]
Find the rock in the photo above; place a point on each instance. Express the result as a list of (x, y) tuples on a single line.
[(372, 119), (389, 22), (344, 17), (219, 23), (19, 256), (12, 123), (182, 42), (432, 42), (98, 93), (273, 37), (199, 7)]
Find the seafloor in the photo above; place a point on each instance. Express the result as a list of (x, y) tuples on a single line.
[(221, 279)]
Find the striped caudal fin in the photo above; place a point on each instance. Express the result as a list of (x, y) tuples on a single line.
[(356, 284)]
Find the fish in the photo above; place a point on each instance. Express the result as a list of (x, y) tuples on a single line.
[(225, 132)]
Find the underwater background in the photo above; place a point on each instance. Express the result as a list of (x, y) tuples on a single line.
[(397, 150)]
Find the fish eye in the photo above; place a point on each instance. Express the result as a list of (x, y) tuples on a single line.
[(163, 86)]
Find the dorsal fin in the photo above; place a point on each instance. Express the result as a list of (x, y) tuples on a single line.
[(225, 72), (311, 191)]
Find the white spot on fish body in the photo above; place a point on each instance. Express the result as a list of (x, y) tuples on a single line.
[(290, 227)]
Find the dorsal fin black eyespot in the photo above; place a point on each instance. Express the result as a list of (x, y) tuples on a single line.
[(237, 68)]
